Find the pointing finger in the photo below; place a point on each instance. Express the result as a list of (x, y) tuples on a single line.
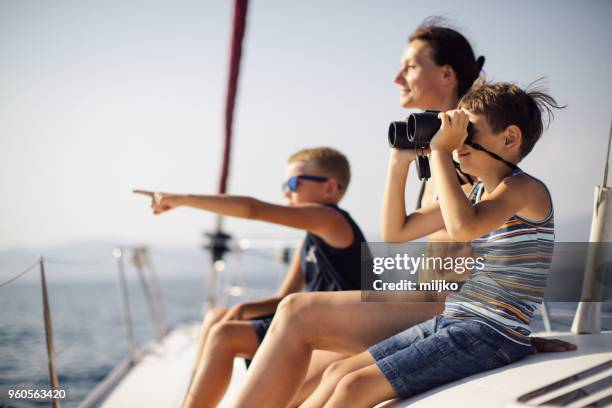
[(144, 192)]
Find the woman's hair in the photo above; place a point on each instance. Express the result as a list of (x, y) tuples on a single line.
[(449, 47)]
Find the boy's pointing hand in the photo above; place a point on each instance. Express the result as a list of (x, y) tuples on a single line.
[(160, 202)]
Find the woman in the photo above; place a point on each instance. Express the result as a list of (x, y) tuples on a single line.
[(437, 68)]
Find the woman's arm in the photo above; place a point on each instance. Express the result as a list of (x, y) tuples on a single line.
[(442, 235), (396, 226)]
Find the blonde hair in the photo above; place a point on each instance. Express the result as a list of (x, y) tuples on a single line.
[(329, 160)]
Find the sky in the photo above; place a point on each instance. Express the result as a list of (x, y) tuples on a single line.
[(100, 97)]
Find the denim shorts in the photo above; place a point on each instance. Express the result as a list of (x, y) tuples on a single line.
[(441, 350)]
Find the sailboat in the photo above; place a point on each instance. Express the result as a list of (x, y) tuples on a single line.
[(159, 375)]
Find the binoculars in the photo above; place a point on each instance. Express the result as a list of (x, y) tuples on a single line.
[(417, 131)]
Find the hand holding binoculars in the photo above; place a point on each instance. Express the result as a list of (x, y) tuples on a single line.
[(415, 132)]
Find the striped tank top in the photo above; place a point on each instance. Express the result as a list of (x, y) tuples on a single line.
[(505, 294)]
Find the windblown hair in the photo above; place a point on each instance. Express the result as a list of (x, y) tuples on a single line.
[(329, 160), (504, 104)]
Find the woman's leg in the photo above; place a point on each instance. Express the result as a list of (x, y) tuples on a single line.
[(335, 321), (225, 341)]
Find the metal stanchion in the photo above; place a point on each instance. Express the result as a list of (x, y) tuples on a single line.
[(127, 317), (49, 334), (546, 317), (137, 261), (157, 297)]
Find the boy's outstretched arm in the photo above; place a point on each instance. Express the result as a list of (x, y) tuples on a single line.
[(464, 221), (293, 282), (323, 221), (396, 226)]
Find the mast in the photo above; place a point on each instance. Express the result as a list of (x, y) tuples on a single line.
[(218, 239)]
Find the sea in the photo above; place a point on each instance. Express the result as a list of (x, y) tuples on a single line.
[(85, 300)]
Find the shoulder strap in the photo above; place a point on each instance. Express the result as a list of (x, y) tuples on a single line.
[(476, 146)]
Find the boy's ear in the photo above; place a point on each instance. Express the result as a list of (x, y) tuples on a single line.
[(512, 137), (331, 186)]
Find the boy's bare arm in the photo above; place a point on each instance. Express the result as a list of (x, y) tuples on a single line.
[(464, 221), (327, 223), (443, 235), (323, 221), (293, 282), (396, 225), (234, 206), (253, 310)]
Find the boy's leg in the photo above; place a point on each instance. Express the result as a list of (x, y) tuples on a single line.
[(337, 373), (212, 316), (365, 387), (332, 376), (335, 321), (457, 349), (225, 341), (319, 362)]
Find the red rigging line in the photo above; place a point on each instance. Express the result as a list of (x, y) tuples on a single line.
[(239, 24)]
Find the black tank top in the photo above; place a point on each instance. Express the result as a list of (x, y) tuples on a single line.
[(327, 268)]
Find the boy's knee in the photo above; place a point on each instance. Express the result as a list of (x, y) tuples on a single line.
[(214, 314), (334, 372), (222, 337), (351, 385)]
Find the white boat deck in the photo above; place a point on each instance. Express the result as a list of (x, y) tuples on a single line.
[(161, 377), (501, 387)]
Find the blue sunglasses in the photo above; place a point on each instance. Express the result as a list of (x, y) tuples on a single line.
[(293, 182)]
